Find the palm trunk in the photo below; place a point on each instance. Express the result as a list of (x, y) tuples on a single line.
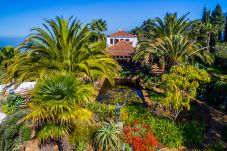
[(208, 42), (64, 145)]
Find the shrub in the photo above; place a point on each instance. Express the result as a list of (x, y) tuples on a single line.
[(165, 130), (25, 133), (108, 136), (180, 86), (140, 137), (12, 104), (11, 133), (192, 133), (82, 135), (101, 111), (221, 55)]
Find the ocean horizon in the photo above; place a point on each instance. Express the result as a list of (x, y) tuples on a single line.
[(10, 41)]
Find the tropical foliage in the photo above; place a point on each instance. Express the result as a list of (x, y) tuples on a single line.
[(180, 87), (6, 55), (173, 50), (221, 55), (170, 44), (108, 136), (170, 25), (166, 131), (140, 137), (67, 60), (57, 106), (12, 104), (12, 133), (62, 46), (99, 25)]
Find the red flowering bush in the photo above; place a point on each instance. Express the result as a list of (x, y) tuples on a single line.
[(140, 137)]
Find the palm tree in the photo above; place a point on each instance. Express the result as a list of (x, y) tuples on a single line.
[(57, 105), (6, 55), (170, 25), (171, 50), (99, 25), (62, 46)]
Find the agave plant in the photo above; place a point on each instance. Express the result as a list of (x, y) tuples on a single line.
[(108, 136), (62, 46), (57, 106)]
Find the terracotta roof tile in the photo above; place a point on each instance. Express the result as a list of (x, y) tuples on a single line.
[(122, 48), (122, 45), (122, 34)]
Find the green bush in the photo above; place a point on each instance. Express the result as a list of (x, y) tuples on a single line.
[(25, 133), (12, 104), (82, 135), (221, 55), (215, 147), (13, 133), (165, 130), (155, 96), (101, 111), (193, 133)]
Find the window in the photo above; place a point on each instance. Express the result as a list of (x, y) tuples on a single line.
[(126, 39), (116, 41), (122, 40), (111, 41)]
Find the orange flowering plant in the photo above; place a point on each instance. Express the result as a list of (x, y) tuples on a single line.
[(140, 137)]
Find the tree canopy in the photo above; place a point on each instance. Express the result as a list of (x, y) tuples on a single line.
[(62, 46)]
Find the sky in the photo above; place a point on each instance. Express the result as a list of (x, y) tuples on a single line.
[(18, 17)]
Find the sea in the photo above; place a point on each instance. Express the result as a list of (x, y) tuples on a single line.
[(10, 41)]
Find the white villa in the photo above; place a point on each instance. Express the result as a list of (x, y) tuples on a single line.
[(122, 36), (121, 45)]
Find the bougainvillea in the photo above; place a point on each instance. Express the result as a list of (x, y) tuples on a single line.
[(140, 137)]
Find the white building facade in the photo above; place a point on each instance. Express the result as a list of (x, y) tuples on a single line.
[(122, 36)]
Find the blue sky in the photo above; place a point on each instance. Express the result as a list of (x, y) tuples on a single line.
[(17, 17)]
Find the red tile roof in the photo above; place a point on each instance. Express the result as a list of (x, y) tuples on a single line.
[(122, 45), (122, 48), (122, 34)]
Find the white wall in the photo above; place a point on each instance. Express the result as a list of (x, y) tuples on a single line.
[(21, 88), (133, 40)]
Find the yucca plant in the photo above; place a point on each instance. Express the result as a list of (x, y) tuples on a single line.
[(108, 136), (62, 46), (57, 105)]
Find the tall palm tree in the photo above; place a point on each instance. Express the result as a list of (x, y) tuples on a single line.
[(171, 50), (170, 25), (62, 46), (99, 25), (57, 106)]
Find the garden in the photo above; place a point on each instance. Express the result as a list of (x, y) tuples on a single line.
[(173, 95)]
